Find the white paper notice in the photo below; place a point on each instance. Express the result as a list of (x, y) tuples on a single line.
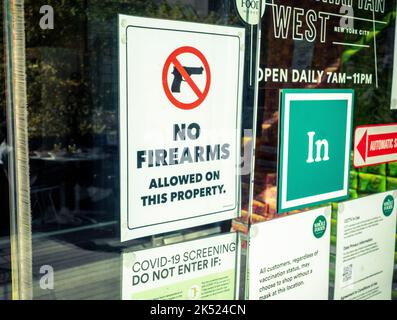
[(365, 248), (289, 257), (196, 270)]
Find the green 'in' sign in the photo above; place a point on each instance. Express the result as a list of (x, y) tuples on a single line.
[(314, 147)]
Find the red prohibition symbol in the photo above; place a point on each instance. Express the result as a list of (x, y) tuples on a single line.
[(184, 73)]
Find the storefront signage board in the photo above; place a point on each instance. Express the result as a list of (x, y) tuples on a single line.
[(317, 39), (314, 147), (289, 257), (195, 270), (375, 144), (180, 124), (365, 247)]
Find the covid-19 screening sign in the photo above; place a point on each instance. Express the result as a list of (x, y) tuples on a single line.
[(180, 123)]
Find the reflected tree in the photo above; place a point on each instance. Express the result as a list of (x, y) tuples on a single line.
[(72, 70)]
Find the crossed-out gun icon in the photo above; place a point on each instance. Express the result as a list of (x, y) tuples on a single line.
[(176, 84)]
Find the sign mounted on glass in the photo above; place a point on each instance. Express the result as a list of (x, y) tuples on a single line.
[(375, 144), (366, 230), (314, 148), (180, 123), (196, 270), (250, 10), (299, 266), (316, 38)]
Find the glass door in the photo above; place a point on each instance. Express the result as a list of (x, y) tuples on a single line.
[(141, 125)]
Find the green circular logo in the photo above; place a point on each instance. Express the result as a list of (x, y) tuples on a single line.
[(319, 227), (249, 10), (388, 205)]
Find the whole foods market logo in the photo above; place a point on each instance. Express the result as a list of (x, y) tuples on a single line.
[(388, 205), (194, 292), (249, 10), (319, 227)]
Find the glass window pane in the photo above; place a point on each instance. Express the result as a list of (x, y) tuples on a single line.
[(72, 84)]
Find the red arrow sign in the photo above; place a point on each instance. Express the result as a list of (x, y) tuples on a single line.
[(362, 147), (375, 144)]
